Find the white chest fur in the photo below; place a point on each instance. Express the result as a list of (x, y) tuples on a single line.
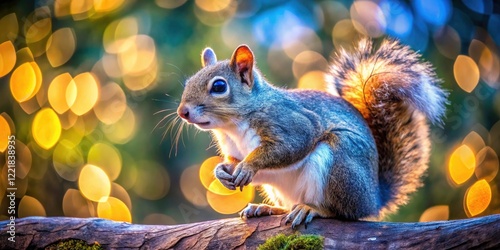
[(301, 182), (237, 141)]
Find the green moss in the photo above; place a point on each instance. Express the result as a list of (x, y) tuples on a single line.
[(73, 244), (293, 241)]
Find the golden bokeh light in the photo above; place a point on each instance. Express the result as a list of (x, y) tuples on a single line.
[(343, 33), (466, 73), (30, 206), (62, 93), (107, 5), (115, 37), (38, 75), (477, 198), (191, 187), (114, 209), (23, 82), (489, 66), (138, 57), (67, 159), (487, 164), (474, 141), (110, 65), (112, 103), (487, 61), (435, 213), (62, 8), (46, 128), (142, 82), (153, 181), (75, 205), (107, 157), (308, 61), (68, 120), (216, 187), (38, 30), (230, 204), (461, 164), (123, 130), (313, 80), (207, 170), (30, 106), (5, 133), (24, 55), (60, 46), (10, 27), (215, 13), (170, 4), (120, 193), (94, 184), (212, 5), (81, 9), (87, 88), (7, 57), (368, 18)]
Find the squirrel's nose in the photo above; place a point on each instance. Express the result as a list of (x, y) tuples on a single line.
[(183, 112)]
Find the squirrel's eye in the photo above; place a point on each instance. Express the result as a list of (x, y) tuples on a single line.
[(219, 87)]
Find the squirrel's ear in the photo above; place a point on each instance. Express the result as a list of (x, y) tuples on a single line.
[(242, 64), (208, 57)]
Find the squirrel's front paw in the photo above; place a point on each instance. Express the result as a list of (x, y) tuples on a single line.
[(223, 173), (242, 175)]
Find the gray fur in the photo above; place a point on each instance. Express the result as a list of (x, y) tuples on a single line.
[(375, 132), (397, 95)]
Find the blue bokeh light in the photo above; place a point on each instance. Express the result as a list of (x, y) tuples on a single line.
[(277, 25), (479, 6), (398, 16), (435, 12)]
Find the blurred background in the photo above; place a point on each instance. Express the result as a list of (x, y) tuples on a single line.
[(89, 87)]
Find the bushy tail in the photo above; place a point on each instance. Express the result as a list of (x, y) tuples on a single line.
[(395, 92)]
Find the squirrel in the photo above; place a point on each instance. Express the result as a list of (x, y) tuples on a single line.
[(356, 151)]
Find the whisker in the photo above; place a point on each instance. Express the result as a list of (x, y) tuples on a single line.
[(163, 119), (161, 111)]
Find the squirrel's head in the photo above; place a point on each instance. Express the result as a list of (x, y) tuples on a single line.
[(217, 94)]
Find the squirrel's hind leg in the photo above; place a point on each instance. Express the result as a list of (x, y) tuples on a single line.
[(257, 210)]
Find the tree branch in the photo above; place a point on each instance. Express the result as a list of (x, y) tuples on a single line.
[(39, 232)]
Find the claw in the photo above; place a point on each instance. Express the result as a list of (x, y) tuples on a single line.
[(257, 210), (301, 213)]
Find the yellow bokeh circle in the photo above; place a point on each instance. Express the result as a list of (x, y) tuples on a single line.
[(461, 165), (94, 184), (46, 128), (207, 170), (477, 198), (114, 209)]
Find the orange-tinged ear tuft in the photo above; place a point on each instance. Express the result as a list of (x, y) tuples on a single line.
[(242, 63)]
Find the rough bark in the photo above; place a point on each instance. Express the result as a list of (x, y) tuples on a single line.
[(38, 232)]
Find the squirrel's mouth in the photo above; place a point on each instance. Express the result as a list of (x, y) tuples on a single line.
[(201, 123)]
